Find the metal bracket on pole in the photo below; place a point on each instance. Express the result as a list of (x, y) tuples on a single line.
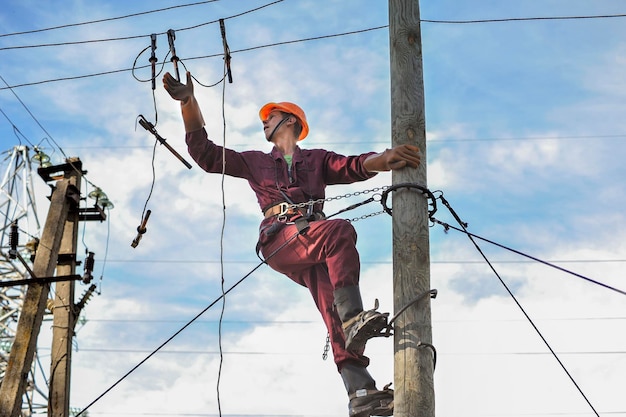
[(35, 279)]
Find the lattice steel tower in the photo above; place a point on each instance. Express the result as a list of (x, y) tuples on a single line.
[(17, 206)]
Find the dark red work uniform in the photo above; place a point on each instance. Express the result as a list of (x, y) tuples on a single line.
[(325, 257)]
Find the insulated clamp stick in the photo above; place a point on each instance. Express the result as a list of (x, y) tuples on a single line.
[(226, 51), (153, 58), (171, 36), (141, 229), (150, 128)]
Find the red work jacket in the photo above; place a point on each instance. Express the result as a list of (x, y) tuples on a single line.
[(268, 173)]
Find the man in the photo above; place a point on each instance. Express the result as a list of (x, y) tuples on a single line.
[(316, 253)]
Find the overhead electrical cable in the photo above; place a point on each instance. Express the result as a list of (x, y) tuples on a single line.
[(463, 228), (433, 21), (220, 54), (125, 38), (373, 262), (109, 19), (277, 43), (521, 19)]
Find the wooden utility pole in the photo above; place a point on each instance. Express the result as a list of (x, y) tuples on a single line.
[(33, 307), (56, 251), (413, 364), (64, 311)]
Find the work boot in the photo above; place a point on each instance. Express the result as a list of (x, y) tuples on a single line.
[(358, 326), (365, 399)]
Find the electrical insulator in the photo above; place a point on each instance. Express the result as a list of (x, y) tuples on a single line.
[(86, 296), (89, 263), (13, 241)]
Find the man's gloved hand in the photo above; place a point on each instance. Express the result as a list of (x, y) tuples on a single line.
[(192, 116), (176, 89), (395, 158)]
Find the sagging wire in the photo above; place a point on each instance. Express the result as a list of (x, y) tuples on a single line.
[(141, 229), (109, 19), (190, 322), (148, 126), (222, 233), (154, 61), (144, 212), (463, 229), (49, 137), (106, 253)]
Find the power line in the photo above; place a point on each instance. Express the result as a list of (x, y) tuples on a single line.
[(32, 115), (106, 19), (125, 38), (463, 228), (268, 45), (265, 45), (303, 353), (256, 321), (435, 21), (193, 58), (370, 262), (522, 19)]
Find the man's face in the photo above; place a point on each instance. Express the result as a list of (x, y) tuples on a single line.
[(273, 119)]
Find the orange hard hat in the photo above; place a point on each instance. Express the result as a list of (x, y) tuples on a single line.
[(290, 108)]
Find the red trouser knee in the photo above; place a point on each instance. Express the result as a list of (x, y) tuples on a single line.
[(322, 259)]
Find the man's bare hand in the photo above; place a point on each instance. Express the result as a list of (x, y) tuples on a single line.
[(396, 158)]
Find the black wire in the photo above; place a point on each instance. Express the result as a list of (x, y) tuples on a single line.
[(31, 114), (125, 38), (198, 82), (522, 19), (146, 66), (293, 41), (78, 171), (98, 74), (435, 21), (106, 252), (197, 316), (106, 20), (223, 229), (16, 130), (471, 237), (143, 212)]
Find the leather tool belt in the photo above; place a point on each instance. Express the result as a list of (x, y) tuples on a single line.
[(280, 209)]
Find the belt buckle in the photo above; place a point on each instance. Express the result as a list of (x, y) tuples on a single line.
[(284, 209)]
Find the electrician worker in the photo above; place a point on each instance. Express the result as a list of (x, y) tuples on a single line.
[(323, 257)]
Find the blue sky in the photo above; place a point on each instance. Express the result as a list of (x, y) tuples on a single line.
[(525, 138)]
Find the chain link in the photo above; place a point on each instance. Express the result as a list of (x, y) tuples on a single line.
[(365, 216), (338, 197), (326, 347)]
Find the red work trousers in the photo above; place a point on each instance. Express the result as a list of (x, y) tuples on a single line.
[(322, 259)]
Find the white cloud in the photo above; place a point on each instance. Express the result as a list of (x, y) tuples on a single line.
[(518, 142)]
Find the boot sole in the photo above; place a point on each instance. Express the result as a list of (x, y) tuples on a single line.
[(371, 328), (385, 408)]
